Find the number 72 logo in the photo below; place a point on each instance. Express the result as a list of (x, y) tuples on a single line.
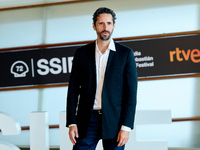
[(19, 69)]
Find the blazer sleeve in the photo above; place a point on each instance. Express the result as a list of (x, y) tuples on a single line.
[(130, 91), (73, 91)]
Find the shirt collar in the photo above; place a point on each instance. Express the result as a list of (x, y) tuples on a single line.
[(110, 47)]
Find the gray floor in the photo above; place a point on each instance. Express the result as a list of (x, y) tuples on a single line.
[(184, 149), (168, 148)]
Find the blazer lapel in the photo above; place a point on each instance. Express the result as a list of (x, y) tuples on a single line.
[(109, 62), (93, 60), (109, 59)]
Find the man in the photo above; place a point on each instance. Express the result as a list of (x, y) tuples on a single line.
[(102, 90)]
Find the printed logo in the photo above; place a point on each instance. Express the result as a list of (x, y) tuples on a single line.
[(19, 69), (181, 55)]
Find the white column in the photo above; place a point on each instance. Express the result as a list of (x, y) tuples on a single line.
[(39, 131), (65, 142), (147, 117)]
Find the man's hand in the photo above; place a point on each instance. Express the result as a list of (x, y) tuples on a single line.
[(122, 137), (73, 131)]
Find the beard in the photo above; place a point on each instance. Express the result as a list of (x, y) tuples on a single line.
[(105, 37)]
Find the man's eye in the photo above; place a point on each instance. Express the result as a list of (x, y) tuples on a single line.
[(109, 23), (101, 23)]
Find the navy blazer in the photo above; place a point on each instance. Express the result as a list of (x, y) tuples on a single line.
[(118, 94)]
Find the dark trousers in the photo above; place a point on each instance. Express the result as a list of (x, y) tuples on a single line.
[(94, 135)]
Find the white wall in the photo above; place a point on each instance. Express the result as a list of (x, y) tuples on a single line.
[(73, 22)]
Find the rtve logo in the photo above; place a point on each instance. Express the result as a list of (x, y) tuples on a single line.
[(181, 55)]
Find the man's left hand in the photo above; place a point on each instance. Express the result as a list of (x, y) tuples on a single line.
[(122, 137)]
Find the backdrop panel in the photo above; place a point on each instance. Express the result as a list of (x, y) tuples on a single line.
[(166, 56)]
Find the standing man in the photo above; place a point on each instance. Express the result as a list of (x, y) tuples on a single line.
[(102, 90)]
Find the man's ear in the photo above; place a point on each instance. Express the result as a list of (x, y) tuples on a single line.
[(93, 26)]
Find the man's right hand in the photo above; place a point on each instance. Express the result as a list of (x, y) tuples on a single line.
[(73, 130)]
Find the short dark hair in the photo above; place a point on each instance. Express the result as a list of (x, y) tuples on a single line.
[(103, 10)]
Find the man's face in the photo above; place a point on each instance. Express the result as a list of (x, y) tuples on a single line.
[(104, 26)]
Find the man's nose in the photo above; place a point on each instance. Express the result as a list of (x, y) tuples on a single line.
[(105, 26)]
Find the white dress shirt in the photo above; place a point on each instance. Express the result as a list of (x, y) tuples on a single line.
[(101, 63)]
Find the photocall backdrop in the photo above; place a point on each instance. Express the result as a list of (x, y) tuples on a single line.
[(163, 56)]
